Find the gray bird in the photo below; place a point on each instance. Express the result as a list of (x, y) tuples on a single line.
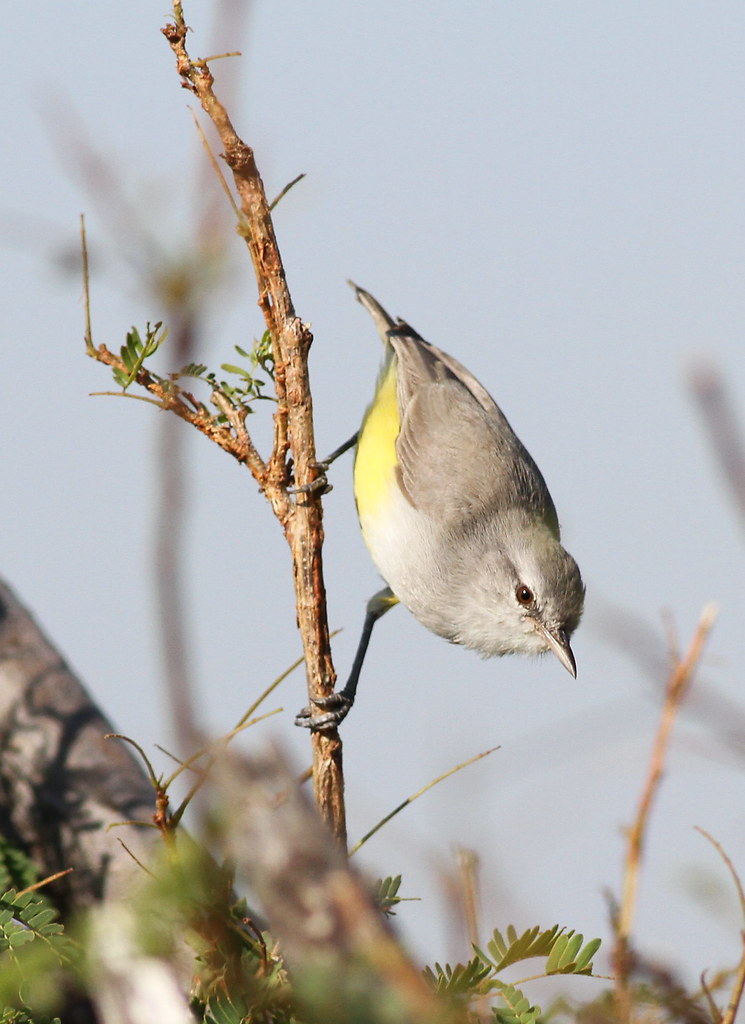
[(455, 514)]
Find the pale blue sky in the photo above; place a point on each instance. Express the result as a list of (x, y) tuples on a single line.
[(551, 191)]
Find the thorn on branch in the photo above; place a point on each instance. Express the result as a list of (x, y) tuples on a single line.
[(202, 62), (285, 190)]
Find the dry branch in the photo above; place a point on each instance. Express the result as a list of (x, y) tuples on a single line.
[(301, 517), (678, 683), (293, 421)]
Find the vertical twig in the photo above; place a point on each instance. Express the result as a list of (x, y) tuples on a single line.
[(293, 422), (677, 684)]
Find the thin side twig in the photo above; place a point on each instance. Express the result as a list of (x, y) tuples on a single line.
[(168, 395)]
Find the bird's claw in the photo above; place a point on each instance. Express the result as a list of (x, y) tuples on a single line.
[(322, 466), (320, 484), (336, 707)]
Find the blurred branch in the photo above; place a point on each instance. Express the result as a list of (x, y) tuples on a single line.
[(467, 862), (637, 640), (344, 959), (169, 549), (62, 783), (739, 985), (723, 430), (670, 992), (730, 1014), (127, 985), (679, 679)]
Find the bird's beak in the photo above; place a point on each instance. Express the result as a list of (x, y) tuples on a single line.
[(558, 642)]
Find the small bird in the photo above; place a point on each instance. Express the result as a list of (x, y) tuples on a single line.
[(455, 514)]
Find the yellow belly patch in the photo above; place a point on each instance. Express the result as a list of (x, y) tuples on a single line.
[(376, 460)]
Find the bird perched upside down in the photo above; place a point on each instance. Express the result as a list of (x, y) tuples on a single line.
[(455, 514)]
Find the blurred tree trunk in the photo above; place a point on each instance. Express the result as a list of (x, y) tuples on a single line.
[(62, 784)]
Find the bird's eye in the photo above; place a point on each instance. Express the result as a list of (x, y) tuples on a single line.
[(524, 595)]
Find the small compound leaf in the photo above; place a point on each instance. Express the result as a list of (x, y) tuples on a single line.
[(461, 980), (531, 943), (583, 963), (386, 893), (517, 1008)]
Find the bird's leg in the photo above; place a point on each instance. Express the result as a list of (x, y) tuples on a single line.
[(321, 483), (338, 705), (349, 443)]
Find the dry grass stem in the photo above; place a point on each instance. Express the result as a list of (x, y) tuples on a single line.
[(415, 796)]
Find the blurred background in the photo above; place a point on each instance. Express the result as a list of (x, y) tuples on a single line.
[(551, 191)]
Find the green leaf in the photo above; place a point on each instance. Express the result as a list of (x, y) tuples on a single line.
[(237, 370), (221, 1010), (386, 893), (584, 960), (19, 937), (43, 916), (11, 1015), (517, 1008), (461, 980), (514, 948), (28, 916), (135, 351), (16, 870), (568, 957), (192, 370), (242, 391)]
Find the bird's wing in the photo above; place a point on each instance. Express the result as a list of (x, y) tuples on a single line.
[(458, 456)]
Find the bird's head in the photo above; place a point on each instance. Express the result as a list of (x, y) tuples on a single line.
[(523, 595)]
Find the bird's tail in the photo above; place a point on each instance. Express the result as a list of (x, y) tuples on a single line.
[(383, 321)]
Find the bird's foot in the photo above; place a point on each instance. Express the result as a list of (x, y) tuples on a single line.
[(336, 708), (321, 483), (318, 485)]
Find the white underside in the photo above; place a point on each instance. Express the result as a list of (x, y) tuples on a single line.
[(453, 593)]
